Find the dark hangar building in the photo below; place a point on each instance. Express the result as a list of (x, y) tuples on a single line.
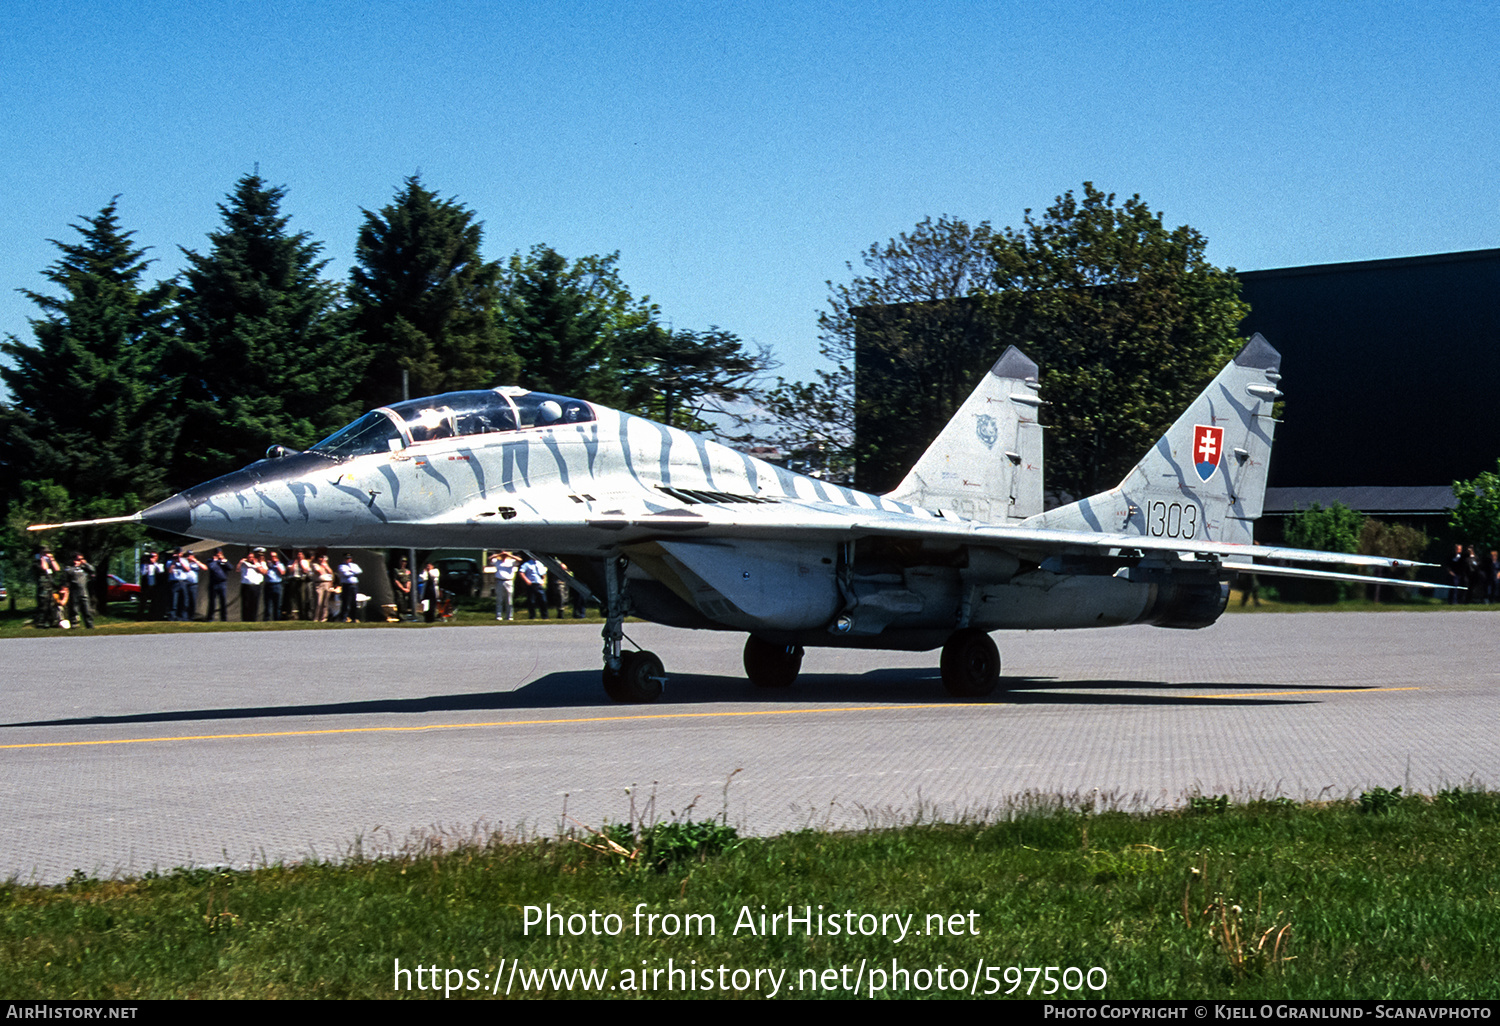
[(1392, 377)]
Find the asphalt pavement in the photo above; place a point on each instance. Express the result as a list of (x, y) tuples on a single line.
[(127, 754)]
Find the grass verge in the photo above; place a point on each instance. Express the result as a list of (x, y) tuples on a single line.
[(1390, 896)]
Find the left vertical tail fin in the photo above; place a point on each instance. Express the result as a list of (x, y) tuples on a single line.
[(986, 463)]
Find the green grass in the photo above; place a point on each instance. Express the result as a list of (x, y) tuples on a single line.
[(17, 623), (1406, 603), (1395, 896)]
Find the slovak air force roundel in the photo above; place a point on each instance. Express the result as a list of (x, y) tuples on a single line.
[(1208, 446)]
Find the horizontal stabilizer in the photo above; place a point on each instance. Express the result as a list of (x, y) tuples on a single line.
[(1331, 575)]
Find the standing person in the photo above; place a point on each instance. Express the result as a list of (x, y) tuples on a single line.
[(505, 564), (177, 582), (47, 572), (557, 592), (349, 573), (1492, 581), (298, 576), (1475, 576), (194, 567), (430, 582), (252, 577), (324, 579), (401, 580), (77, 577), (153, 586), (218, 586), (275, 570), (1458, 569), (534, 577)]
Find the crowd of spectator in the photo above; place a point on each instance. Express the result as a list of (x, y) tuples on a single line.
[(1477, 577), (300, 585)]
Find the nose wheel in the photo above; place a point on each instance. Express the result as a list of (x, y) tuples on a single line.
[(634, 677), (971, 664), (639, 678)]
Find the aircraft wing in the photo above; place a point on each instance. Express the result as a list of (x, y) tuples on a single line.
[(807, 520)]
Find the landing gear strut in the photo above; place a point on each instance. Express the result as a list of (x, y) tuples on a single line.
[(971, 664), (628, 676), (771, 666)]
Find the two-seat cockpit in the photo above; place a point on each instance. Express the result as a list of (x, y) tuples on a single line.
[(452, 415)]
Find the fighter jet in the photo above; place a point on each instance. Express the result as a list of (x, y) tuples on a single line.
[(675, 528)]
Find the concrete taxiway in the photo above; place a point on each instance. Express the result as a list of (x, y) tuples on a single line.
[(120, 755)]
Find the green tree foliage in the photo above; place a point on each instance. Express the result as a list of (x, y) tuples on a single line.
[(575, 325), (425, 301), (1394, 541), (1127, 319), (1476, 513), (672, 373), (917, 335), (90, 427), (267, 350), (1332, 528)]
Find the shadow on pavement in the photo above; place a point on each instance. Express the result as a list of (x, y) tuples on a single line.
[(581, 690)]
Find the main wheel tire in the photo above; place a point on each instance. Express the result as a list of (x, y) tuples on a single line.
[(640, 678), (772, 666), (971, 664)]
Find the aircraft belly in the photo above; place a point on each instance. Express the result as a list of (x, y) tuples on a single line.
[(753, 586)]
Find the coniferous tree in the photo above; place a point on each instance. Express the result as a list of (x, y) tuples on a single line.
[(425, 301), (268, 352), (89, 429)]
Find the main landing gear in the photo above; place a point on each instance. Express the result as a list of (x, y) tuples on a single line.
[(771, 666), (634, 677), (970, 664)]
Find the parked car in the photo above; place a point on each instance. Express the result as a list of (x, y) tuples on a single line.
[(460, 576), (121, 590)]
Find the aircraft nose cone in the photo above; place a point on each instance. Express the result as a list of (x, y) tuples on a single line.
[(171, 514)]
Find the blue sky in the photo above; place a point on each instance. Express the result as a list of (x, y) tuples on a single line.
[(737, 155)]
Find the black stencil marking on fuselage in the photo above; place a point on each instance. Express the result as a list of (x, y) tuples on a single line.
[(589, 434), (705, 461), (751, 474), (476, 466), (557, 456), (387, 472), (515, 457), (266, 500), (666, 451)]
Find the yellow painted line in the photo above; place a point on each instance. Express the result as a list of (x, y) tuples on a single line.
[(1330, 691), (611, 719), (499, 723)]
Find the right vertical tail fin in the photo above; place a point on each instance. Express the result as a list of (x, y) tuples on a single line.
[(1206, 477), (986, 464)]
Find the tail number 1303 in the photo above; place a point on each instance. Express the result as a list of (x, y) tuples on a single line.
[(1171, 520)]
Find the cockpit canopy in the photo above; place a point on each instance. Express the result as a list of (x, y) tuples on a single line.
[(452, 415)]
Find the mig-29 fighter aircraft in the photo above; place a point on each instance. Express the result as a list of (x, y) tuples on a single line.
[(678, 529)]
